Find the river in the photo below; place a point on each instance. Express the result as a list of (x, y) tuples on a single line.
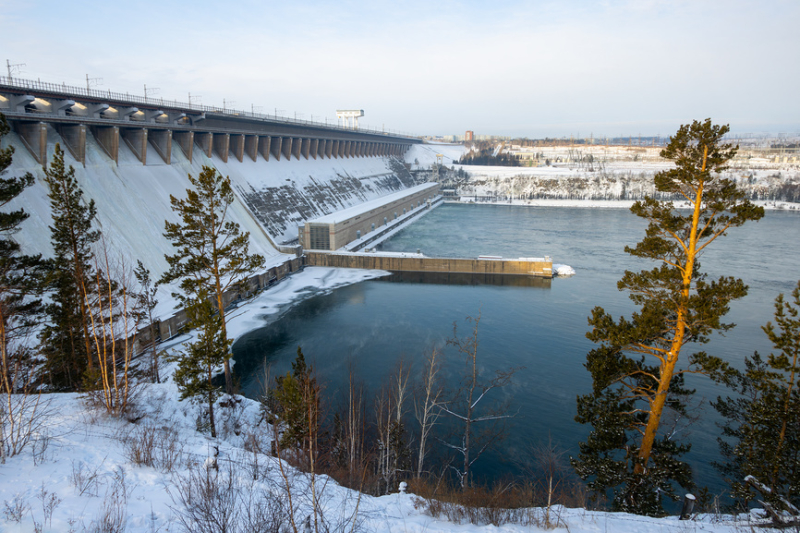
[(541, 328)]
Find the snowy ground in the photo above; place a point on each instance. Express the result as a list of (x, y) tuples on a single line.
[(81, 461)]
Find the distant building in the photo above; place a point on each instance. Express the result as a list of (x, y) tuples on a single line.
[(469, 135)]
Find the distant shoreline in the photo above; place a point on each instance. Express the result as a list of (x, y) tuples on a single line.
[(604, 204)]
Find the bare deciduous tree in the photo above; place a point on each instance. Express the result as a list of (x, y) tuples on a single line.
[(464, 405), (113, 323), (425, 409)]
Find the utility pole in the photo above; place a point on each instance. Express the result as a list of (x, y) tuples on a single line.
[(13, 69), (195, 97), (153, 90), (92, 82)]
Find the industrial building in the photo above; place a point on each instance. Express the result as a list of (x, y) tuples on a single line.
[(338, 229)]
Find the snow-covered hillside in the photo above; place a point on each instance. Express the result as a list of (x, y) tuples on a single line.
[(630, 182), (86, 471)]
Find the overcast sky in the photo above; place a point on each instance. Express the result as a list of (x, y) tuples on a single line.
[(436, 67)]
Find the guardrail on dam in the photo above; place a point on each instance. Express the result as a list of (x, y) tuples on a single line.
[(518, 267), (141, 122)]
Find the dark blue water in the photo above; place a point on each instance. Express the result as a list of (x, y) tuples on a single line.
[(371, 325)]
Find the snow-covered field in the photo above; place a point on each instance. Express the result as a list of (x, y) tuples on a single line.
[(82, 469)]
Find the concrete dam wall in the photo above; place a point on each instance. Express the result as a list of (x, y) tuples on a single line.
[(133, 200)]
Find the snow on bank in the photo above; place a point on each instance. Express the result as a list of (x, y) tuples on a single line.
[(299, 286), (563, 271), (86, 467)]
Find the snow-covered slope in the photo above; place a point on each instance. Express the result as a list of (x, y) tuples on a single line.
[(422, 156), (612, 183)]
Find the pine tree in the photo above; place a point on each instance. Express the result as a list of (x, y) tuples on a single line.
[(296, 395), (19, 276), (146, 303), (762, 431), (212, 252), (203, 357), (637, 378), (67, 343)]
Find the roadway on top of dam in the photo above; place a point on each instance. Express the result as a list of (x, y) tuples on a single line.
[(173, 115)]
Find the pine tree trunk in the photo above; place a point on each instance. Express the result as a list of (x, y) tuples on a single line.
[(211, 407), (668, 366)]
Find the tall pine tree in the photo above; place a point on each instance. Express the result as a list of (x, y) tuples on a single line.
[(146, 304), (212, 254), (762, 429), (19, 277), (66, 338), (636, 371)]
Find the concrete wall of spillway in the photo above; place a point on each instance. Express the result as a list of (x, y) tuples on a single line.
[(133, 199)]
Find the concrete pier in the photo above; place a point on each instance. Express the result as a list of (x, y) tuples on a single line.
[(237, 147), (264, 145), (538, 267), (162, 143), (251, 146), (186, 142), (108, 139), (74, 137), (136, 139), (296, 147), (205, 141), (277, 147), (287, 148), (222, 143), (34, 137)]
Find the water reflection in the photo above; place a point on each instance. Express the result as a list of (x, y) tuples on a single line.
[(445, 278)]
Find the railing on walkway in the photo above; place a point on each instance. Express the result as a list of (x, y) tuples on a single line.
[(73, 90)]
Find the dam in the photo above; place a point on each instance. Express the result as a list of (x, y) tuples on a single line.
[(131, 154), (143, 122)]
